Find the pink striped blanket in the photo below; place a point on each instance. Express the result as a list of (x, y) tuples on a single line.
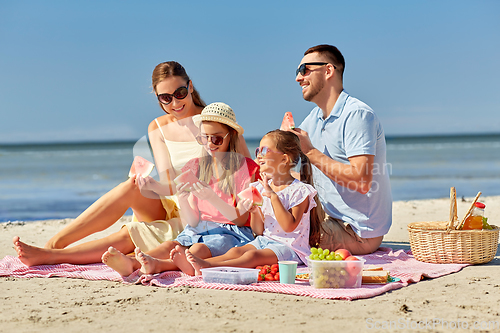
[(401, 265)]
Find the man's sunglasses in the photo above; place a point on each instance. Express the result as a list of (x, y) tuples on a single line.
[(303, 67), (264, 150), (217, 140), (179, 93)]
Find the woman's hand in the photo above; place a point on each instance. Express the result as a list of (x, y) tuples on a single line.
[(202, 191), (146, 185), (268, 191)]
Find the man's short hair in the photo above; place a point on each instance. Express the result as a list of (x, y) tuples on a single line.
[(331, 53)]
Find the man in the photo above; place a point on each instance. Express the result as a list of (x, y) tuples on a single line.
[(345, 143)]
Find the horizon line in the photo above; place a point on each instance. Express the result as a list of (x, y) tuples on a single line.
[(126, 141)]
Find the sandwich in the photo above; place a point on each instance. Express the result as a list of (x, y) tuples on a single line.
[(375, 277)]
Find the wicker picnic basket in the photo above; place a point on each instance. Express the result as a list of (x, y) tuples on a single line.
[(445, 243)]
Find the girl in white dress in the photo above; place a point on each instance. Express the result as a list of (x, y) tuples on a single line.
[(289, 221)]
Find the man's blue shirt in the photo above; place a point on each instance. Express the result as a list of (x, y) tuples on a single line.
[(352, 129)]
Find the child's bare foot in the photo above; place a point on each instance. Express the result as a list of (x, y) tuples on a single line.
[(149, 265), (196, 262), (178, 256), (32, 255), (118, 261)]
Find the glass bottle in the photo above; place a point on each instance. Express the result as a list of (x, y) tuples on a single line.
[(475, 219)]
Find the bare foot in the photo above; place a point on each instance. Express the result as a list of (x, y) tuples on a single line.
[(32, 255), (178, 256), (196, 262), (118, 261), (149, 265)]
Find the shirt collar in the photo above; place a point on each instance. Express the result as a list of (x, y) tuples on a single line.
[(337, 108)]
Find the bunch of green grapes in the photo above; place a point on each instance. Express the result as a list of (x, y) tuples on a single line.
[(320, 254), (323, 276)]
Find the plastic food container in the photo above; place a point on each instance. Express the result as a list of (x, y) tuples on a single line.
[(230, 275), (335, 273)]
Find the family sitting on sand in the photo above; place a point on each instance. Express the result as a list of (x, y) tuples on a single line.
[(340, 147)]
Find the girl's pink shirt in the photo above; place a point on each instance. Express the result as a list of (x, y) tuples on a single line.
[(243, 177)]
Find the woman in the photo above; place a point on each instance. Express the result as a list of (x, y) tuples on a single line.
[(172, 138)]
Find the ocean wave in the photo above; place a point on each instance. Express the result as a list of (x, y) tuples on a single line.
[(443, 145), (67, 153)]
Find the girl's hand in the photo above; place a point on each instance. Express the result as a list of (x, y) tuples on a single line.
[(182, 190), (268, 191), (246, 205), (202, 191)]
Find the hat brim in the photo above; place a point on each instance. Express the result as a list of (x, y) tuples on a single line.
[(197, 119)]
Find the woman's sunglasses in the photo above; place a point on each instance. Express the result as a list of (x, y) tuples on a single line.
[(217, 140), (179, 93), (264, 150)]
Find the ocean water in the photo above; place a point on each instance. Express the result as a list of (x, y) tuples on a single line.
[(60, 180)]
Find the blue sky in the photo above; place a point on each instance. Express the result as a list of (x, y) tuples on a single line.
[(81, 70)]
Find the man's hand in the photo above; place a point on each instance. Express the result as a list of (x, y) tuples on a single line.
[(357, 175), (305, 141)]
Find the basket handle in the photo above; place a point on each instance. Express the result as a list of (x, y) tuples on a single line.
[(461, 224), (453, 209)]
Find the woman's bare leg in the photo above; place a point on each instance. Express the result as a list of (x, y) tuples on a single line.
[(85, 253), (106, 211)]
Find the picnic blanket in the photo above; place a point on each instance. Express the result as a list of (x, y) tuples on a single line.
[(401, 264)]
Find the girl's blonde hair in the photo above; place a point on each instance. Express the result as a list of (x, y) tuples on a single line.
[(231, 162), (289, 143)]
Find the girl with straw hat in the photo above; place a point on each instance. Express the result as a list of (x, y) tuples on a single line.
[(215, 221)]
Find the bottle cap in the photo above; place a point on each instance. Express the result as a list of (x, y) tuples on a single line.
[(480, 205)]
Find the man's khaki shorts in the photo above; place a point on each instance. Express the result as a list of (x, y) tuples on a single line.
[(339, 235)]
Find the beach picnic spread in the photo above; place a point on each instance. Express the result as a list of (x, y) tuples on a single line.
[(403, 267)]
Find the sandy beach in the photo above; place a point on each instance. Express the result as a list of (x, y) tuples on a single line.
[(468, 298)]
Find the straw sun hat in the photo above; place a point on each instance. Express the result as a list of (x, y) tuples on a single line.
[(218, 112)]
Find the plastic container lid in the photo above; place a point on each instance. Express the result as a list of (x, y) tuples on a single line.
[(480, 205)]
